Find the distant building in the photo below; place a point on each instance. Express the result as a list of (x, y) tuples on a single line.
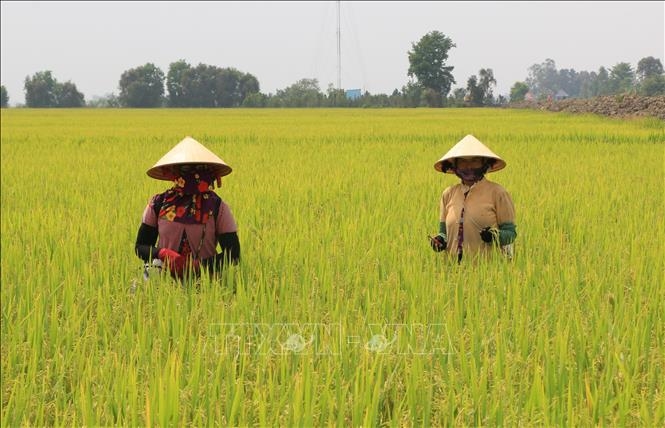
[(529, 96), (561, 95), (353, 94)]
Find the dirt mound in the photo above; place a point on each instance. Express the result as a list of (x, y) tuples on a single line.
[(615, 105)]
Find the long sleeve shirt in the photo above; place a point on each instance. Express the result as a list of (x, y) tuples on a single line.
[(202, 239), (485, 203)]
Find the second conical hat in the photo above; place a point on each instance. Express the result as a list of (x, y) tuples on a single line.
[(188, 151), (468, 146)]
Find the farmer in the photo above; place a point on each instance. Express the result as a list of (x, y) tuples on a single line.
[(477, 216), (189, 218)]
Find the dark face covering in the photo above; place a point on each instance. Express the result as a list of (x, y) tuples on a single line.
[(190, 199), (471, 174), (194, 182)]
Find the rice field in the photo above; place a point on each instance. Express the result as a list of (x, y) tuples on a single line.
[(339, 314)]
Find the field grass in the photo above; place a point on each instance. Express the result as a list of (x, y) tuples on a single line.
[(339, 314)]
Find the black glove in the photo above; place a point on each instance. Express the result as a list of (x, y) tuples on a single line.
[(438, 243), (489, 235)]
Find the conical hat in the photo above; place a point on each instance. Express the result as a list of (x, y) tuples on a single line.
[(188, 151), (469, 146)]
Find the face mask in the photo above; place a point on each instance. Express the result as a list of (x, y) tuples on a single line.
[(470, 174), (192, 183)]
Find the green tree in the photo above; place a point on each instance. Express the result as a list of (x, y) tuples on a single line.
[(4, 97), (395, 99), (427, 63), (335, 97), (622, 78), (303, 93), (368, 100), (248, 85), (104, 101), (227, 87), (199, 86), (569, 81), (456, 99), (412, 94), (41, 90), (501, 100), (649, 66), (518, 91), (273, 101), (587, 81), (602, 83), (474, 92), (68, 96), (486, 82), (431, 98), (174, 83), (543, 78), (142, 86), (209, 86), (256, 99), (653, 85)]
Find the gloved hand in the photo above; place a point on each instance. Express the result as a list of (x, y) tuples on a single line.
[(489, 235), (175, 262), (438, 243)]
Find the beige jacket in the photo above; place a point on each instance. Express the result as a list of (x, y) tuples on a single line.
[(486, 204)]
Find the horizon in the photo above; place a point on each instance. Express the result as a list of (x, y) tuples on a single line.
[(290, 41)]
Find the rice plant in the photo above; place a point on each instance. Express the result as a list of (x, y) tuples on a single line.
[(339, 313)]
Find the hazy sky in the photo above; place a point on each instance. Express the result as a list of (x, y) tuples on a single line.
[(93, 43)]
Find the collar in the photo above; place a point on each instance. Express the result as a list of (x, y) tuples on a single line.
[(466, 188)]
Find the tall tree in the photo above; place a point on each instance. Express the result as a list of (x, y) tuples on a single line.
[(208, 86), (174, 83), (142, 86), (653, 85), (479, 91), (649, 66), (587, 81), (518, 91), (256, 99), (622, 78), (543, 77), (602, 83), (68, 96), (41, 90), (248, 85), (474, 93), (198, 85), (303, 93), (336, 97), (569, 81), (4, 97), (227, 87), (427, 62), (651, 77), (457, 97), (486, 82)]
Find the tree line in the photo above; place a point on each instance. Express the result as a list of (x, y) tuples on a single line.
[(545, 80), (430, 82)]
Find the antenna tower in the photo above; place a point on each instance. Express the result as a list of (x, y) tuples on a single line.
[(339, 51)]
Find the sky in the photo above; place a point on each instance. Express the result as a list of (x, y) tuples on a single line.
[(92, 43)]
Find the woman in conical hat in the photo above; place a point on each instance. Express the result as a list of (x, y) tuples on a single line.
[(476, 214), (189, 218)]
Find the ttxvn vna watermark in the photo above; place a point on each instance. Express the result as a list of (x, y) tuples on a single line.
[(330, 339)]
